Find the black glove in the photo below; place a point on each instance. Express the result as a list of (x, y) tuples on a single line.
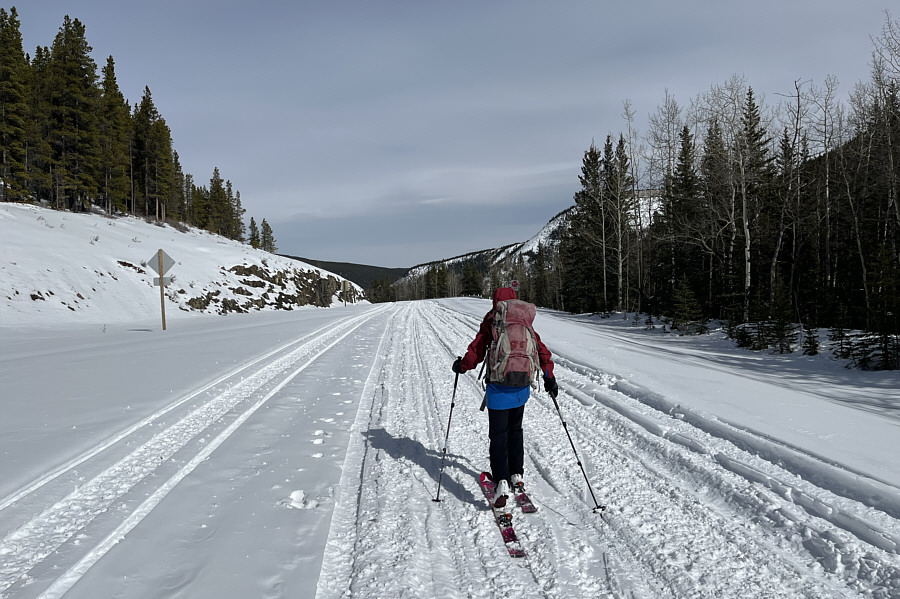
[(457, 366), (550, 386)]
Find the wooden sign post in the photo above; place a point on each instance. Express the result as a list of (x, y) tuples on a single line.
[(162, 288), (161, 263)]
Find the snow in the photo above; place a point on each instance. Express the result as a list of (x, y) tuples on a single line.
[(297, 453), (60, 266)]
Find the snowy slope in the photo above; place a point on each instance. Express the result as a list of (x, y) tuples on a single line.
[(548, 236), (56, 266), (295, 454)]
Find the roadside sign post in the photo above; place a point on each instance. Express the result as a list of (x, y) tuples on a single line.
[(161, 263), (162, 288)]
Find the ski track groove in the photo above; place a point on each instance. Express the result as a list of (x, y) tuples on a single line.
[(34, 486), (565, 551), (657, 509), (533, 564), (34, 540), (667, 472), (743, 482)]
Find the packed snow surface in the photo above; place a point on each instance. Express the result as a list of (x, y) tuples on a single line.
[(297, 454)]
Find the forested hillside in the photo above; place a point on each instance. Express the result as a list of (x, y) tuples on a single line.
[(72, 141), (779, 218)]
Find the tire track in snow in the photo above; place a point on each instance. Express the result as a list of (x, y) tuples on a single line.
[(33, 541)]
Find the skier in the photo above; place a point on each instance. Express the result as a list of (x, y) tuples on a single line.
[(506, 404)]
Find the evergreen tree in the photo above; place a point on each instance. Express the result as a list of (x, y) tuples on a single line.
[(442, 280), (540, 281), (200, 206), (580, 273), (754, 173), (74, 131), (239, 212), (583, 246), (13, 108), (810, 340), (380, 291), (236, 212), (781, 328), (471, 282), (723, 297), (115, 137), (267, 238), (255, 241), (682, 213), (687, 313), (187, 191), (152, 156), (39, 150), (621, 201), (162, 168), (219, 206), (177, 201)]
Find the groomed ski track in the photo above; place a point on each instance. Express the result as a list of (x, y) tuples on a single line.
[(692, 514), (697, 508)]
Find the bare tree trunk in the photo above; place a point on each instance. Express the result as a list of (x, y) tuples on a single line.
[(745, 218), (629, 117), (603, 252), (864, 156)]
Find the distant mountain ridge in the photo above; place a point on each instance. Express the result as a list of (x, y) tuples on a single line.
[(361, 274), (549, 236), (364, 275)]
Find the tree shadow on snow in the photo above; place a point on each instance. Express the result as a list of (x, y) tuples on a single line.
[(429, 460)]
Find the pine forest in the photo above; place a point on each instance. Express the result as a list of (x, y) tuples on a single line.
[(71, 140)]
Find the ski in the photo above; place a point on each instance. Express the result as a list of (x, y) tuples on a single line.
[(524, 502), (503, 518)]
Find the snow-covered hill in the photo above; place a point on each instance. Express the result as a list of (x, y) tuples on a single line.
[(63, 267), (548, 236)]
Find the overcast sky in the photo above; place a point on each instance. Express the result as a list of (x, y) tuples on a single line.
[(397, 132)]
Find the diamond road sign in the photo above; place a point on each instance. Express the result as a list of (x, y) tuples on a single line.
[(167, 262)]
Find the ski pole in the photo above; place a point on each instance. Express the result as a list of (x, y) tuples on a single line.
[(597, 507), (481, 372), (447, 437)]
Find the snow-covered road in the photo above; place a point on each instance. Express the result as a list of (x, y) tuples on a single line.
[(296, 455)]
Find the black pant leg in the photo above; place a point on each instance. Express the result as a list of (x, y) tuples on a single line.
[(498, 432), (515, 445)]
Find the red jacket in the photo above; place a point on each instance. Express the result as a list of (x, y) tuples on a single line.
[(478, 348)]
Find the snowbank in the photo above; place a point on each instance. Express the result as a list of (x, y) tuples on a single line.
[(60, 267)]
